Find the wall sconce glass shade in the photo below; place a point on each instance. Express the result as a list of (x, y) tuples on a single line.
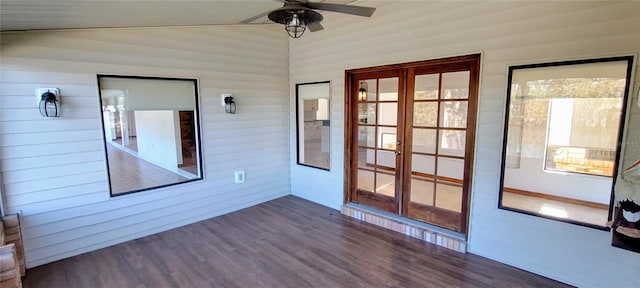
[(229, 105), (362, 93), (362, 97), (49, 105)]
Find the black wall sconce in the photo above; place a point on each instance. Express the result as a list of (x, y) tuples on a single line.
[(229, 104), (362, 92), (49, 102), (362, 98)]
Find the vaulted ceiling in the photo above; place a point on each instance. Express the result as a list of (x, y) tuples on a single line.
[(17, 15)]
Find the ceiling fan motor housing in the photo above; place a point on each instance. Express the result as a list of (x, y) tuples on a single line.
[(285, 14)]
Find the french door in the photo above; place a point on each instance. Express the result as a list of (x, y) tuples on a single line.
[(410, 136)]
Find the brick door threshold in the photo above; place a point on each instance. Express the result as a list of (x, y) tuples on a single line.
[(416, 229)]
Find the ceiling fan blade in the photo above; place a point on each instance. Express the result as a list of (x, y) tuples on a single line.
[(254, 18), (340, 8), (315, 26)]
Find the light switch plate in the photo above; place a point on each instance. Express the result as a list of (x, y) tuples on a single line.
[(239, 176)]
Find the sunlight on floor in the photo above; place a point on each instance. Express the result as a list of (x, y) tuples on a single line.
[(553, 208), (554, 211)]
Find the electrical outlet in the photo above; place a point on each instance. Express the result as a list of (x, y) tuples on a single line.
[(239, 176)]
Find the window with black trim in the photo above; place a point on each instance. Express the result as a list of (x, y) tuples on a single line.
[(151, 132), (563, 130)]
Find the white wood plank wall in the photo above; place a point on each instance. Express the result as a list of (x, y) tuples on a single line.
[(507, 33), (54, 170)]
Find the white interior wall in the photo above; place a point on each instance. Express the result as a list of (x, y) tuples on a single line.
[(507, 33), (109, 126), (158, 138), (323, 108), (132, 123), (531, 176), (54, 169)]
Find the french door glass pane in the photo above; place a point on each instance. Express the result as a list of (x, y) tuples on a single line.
[(426, 87), (423, 164), (365, 180), (367, 113), (452, 142), (371, 88), (424, 140), (388, 114), (388, 89), (386, 184), (425, 114), (451, 168), (421, 191), (386, 159), (367, 136), (387, 137), (449, 197), (455, 85), (366, 158), (453, 114)]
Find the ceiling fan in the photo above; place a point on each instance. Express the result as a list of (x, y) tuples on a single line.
[(298, 15)]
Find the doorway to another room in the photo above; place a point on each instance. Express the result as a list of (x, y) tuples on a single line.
[(410, 138)]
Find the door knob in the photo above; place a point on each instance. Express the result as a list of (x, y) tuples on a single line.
[(397, 152)]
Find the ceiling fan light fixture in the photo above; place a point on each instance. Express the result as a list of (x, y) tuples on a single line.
[(295, 26), (298, 15), (295, 18)]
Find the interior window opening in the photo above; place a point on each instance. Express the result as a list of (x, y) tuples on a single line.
[(150, 132), (562, 134)]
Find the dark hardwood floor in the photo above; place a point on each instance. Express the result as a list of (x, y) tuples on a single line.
[(288, 242)]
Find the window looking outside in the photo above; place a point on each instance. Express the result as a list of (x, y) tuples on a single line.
[(583, 132), (563, 129)]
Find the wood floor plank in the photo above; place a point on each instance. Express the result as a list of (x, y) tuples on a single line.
[(288, 242)]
